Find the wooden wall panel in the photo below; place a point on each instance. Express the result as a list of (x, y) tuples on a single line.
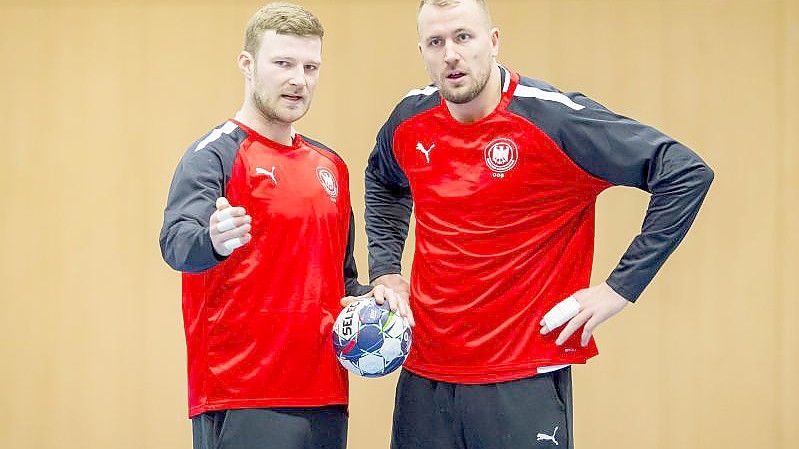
[(99, 100), (787, 237)]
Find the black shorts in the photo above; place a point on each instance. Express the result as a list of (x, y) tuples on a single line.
[(272, 428), (531, 413)]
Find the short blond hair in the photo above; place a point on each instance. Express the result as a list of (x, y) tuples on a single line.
[(284, 18), (447, 3)]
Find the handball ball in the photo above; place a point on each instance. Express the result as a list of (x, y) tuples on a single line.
[(369, 339)]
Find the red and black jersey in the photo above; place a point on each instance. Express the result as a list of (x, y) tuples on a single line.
[(258, 323), (505, 220)]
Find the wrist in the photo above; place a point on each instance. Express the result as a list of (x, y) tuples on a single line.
[(387, 278)]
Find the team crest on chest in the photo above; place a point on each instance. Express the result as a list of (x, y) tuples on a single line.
[(328, 181), (501, 155)]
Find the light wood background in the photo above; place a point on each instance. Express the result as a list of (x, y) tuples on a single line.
[(98, 100)]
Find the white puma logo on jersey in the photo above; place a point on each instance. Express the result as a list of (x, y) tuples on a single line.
[(424, 151), (544, 437), (270, 173)]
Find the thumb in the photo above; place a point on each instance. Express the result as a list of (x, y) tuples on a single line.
[(222, 203)]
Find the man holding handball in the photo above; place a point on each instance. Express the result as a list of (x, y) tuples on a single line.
[(259, 221)]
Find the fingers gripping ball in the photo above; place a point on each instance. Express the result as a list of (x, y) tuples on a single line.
[(370, 340)]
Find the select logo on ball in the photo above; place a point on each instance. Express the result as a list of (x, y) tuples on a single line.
[(370, 340)]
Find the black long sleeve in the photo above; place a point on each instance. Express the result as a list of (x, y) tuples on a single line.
[(625, 152), (351, 285), (199, 179), (388, 195)]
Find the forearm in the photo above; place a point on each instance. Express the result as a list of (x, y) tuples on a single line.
[(388, 214), (186, 246), (679, 181)]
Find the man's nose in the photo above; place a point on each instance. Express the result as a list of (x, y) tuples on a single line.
[(451, 55), (298, 76)]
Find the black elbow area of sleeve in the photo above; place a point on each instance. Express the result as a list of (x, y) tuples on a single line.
[(189, 257), (167, 255), (706, 176), (699, 178), (177, 264), (186, 268)]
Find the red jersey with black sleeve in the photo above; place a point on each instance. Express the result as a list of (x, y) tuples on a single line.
[(258, 323), (505, 220)]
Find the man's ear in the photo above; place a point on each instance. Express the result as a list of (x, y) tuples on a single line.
[(246, 63), (495, 42)]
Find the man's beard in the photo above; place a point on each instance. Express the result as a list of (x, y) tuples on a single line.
[(470, 93), (271, 113)]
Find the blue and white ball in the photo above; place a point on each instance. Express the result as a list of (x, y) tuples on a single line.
[(370, 340)]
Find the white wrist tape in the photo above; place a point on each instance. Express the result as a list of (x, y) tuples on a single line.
[(232, 244), (224, 215), (226, 225), (561, 313)]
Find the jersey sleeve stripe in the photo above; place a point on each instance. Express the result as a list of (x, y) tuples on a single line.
[(227, 128), (534, 92), (427, 91)]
